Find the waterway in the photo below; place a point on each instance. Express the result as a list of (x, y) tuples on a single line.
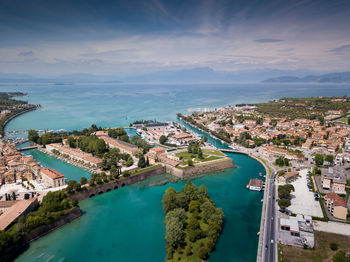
[(127, 224)]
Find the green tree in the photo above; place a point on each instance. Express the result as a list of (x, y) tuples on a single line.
[(203, 190), (191, 191), (163, 139), (319, 160), (33, 135), (174, 232), (83, 180), (284, 203), (329, 158), (142, 162), (200, 153), (170, 199), (193, 207), (189, 162), (71, 142), (178, 213)]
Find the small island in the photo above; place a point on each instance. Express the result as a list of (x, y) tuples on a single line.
[(193, 223)]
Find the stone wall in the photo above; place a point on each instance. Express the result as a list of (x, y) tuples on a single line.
[(98, 190), (202, 168), (13, 251)]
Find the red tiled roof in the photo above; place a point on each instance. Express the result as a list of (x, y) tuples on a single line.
[(52, 173)]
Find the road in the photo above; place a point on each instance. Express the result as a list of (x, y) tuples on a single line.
[(270, 232)]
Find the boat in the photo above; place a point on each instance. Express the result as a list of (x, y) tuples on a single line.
[(260, 174), (139, 132)]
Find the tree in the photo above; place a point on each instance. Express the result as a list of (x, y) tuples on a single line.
[(163, 139), (33, 135), (71, 142), (178, 213), (174, 232), (203, 190), (83, 180), (329, 158), (200, 153), (193, 207), (319, 160), (191, 191), (142, 162), (193, 229), (189, 162), (169, 199), (284, 203)]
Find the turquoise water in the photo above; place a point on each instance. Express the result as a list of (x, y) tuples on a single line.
[(127, 224), (69, 171), (77, 106)]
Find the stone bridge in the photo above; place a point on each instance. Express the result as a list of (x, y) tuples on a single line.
[(98, 190)]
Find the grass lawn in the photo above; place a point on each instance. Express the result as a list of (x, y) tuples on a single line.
[(320, 253), (213, 152), (206, 157), (141, 170)]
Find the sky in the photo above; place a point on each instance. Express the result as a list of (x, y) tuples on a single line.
[(128, 37)]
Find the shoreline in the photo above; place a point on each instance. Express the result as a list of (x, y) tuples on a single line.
[(16, 115)]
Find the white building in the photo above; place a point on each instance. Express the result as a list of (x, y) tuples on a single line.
[(52, 178)]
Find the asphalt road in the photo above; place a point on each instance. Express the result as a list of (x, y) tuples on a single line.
[(270, 237)]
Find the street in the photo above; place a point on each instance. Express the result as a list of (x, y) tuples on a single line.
[(270, 238)]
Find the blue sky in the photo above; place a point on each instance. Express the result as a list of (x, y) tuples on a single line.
[(123, 38)]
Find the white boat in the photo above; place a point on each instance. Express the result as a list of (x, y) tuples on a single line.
[(139, 132)]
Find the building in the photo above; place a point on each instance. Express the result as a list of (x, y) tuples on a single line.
[(334, 184), (123, 146), (347, 146), (51, 177), (287, 177), (255, 184), (158, 154), (76, 154), (297, 231), (326, 182), (18, 209), (182, 139), (336, 206), (156, 125)]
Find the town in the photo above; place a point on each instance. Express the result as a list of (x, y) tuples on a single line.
[(306, 154), (305, 145)]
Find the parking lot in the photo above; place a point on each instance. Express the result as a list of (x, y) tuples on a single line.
[(303, 201)]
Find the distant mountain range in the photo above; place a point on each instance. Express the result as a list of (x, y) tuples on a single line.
[(62, 79), (208, 75), (194, 75), (341, 77)]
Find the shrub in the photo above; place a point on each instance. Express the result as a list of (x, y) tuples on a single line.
[(333, 246)]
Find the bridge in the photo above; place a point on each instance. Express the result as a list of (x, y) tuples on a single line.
[(26, 148), (231, 151)]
